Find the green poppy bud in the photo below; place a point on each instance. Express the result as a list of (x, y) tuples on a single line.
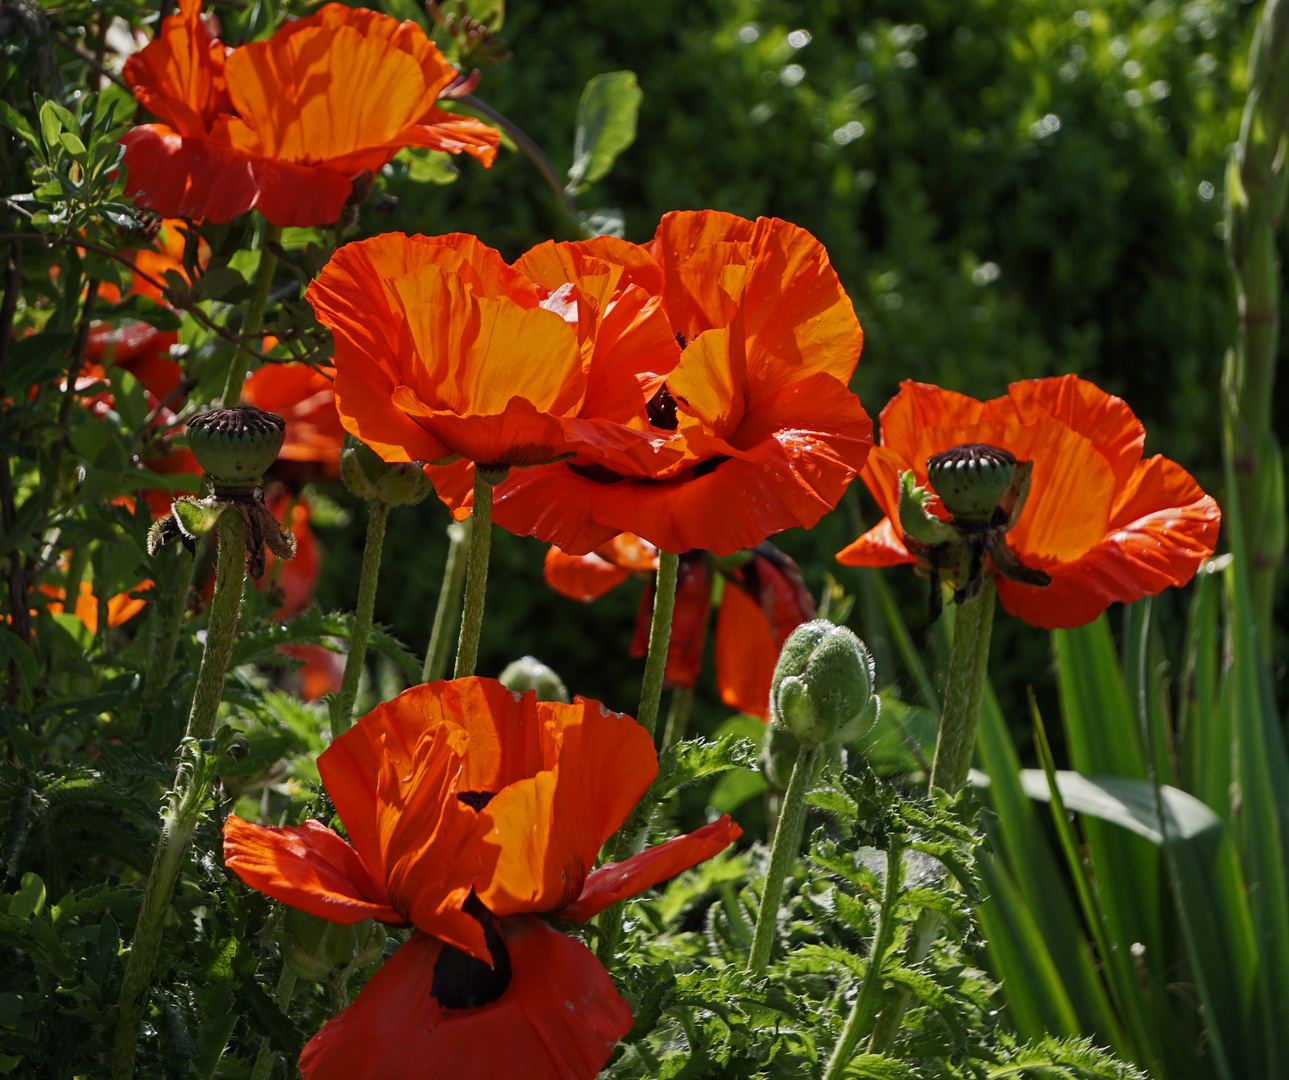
[(315, 947), (822, 689), (395, 483), (529, 673), (236, 446), (971, 479)]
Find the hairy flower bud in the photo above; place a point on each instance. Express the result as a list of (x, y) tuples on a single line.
[(529, 673), (971, 479), (822, 689), (369, 476), (236, 446), (315, 947)]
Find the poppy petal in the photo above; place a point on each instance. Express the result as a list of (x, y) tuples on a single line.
[(745, 653), (1165, 527), (558, 1019), (880, 546), (307, 867), (548, 828), (179, 76), (581, 577), (618, 881), (688, 624)]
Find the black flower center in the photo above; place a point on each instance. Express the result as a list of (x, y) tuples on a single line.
[(461, 981), (476, 799), (662, 410)]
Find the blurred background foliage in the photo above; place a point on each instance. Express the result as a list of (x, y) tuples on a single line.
[(1008, 189)]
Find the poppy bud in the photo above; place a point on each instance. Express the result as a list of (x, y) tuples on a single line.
[(395, 483), (529, 673), (236, 446), (971, 479), (822, 689), (315, 947)]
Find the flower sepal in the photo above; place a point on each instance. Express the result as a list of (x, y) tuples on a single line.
[(822, 690), (916, 519), (369, 476), (315, 948)]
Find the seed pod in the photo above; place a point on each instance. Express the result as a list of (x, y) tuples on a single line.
[(971, 480), (236, 446)]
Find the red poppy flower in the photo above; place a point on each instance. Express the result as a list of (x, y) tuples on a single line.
[(763, 601), (321, 672), (306, 400), (435, 340), (1106, 525), (538, 787), (758, 397), (285, 125)]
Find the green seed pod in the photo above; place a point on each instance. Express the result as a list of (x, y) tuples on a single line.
[(529, 673), (971, 479), (395, 483), (822, 689), (315, 947), (236, 446)]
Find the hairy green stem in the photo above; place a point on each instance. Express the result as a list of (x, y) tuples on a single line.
[(167, 620), (682, 702), (342, 705), (449, 607), (476, 578), (787, 842), (861, 1013), (664, 602), (189, 793), (254, 317), (968, 664), (267, 1056)]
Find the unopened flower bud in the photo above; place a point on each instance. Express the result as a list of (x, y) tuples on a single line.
[(315, 947), (370, 477), (822, 689), (529, 673), (971, 479), (236, 446)]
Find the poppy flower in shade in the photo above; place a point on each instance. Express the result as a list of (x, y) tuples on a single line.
[(291, 126), (757, 393), (121, 608), (1104, 524), (541, 785), (435, 340), (306, 400), (763, 599), (294, 579), (321, 670)]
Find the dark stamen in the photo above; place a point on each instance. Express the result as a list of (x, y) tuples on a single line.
[(476, 799), (461, 981), (662, 410)]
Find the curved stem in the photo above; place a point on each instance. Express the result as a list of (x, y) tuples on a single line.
[(664, 602), (787, 841), (968, 664), (189, 793), (449, 608), (254, 316), (476, 579), (342, 706), (861, 1013)]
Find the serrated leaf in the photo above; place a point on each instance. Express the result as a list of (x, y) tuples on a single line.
[(879, 1067), (606, 125), (695, 758)]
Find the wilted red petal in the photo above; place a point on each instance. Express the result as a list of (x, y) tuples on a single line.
[(307, 867), (559, 1018), (618, 881), (745, 653)]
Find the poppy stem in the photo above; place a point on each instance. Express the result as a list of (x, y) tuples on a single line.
[(167, 619), (787, 840), (861, 1013), (968, 662), (254, 317), (188, 797), (682, 701), (342, 705), (449, 609), (664, 602), (476, 577)]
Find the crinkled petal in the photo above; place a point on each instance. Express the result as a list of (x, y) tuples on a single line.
[(559, 1018), (307, 867), (179, 76), (191, 177), (618, 881)]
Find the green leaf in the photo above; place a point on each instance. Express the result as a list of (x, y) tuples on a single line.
[(50, 126), (145, 310), (34, 359), (30, 898), (25, 660), (72, 143), (879, 1067), (1129, 804), (691, 760), (606, 125), (217, 282), (427, 166), (17, 123)]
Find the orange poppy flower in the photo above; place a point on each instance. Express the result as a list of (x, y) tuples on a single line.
[(755, 393), (121, 608), (435, 346), (306, 400), (287, 125), (535, 788), (296, 578), (322, 670), (763, 601), (1104, 524)]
